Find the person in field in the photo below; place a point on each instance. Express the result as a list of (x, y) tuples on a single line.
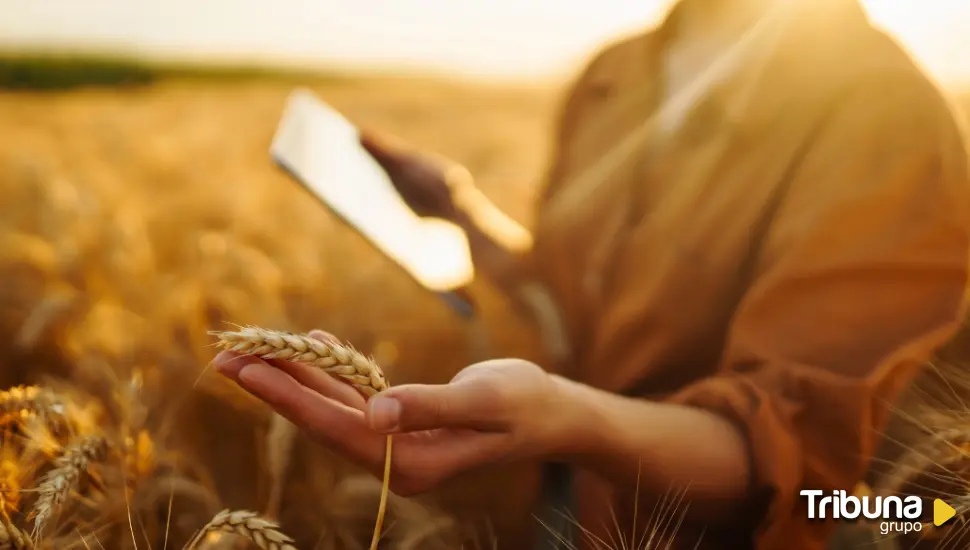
[(753, 233)]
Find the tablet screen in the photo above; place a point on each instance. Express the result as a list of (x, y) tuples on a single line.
[(321, 149)]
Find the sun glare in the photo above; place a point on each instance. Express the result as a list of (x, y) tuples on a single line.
[(934, 31)]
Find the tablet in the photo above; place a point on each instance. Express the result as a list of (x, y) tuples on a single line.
[(320, 149)]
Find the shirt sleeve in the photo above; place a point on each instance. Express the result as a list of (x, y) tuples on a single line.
[(862, 275)]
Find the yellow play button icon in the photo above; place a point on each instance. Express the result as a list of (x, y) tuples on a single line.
[(942, 512)]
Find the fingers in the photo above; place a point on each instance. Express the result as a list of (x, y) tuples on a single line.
[(229, 363), (327, 421), (416, 407), (322, 382), (319, 381), (315, 379)]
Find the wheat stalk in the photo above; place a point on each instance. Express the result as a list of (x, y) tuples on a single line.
[(19, 400), (339, 360), (264, 533), (279, 449), (12, 538), (64, 477)]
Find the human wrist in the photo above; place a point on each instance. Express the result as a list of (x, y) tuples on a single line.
[(576, 422), (591, 427)]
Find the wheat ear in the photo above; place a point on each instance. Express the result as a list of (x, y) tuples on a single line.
[(339, 360), (264, 533), (29, 399), (68, 469), (12, 538), (335, 359)]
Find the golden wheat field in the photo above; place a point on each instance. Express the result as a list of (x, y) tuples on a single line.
[(134, 222)]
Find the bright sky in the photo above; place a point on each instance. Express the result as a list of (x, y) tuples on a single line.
[(477, 37)]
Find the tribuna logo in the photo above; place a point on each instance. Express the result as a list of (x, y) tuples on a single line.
[(895, 513), (839, 505)]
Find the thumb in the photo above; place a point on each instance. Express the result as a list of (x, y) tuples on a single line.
[(415, 407), (386, 150)]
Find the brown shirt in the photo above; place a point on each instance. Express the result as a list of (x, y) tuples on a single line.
[(787, 259)]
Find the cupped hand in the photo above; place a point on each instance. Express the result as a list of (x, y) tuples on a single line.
[(490, 412)]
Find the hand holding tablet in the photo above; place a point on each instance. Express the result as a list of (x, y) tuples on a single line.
[(322, 150)]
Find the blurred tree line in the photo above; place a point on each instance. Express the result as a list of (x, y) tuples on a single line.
[(38, 72), (61, 72), (57, 73)]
